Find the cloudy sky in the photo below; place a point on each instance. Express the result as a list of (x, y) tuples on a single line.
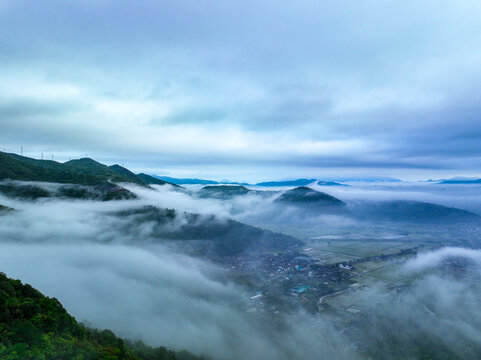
[(246, 90)]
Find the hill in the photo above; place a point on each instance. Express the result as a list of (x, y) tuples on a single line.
[(33, 326), (415, 212), (82, 171), (147, 179), (330, 183), (126, 173), (298, 182), (460, 182), (362, 179), (222, 191), (227, 192), (4, 209), (104, 192), (307, 196), (203, 234), (114, 173), (186, 181)]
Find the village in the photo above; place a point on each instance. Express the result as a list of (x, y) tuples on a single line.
[(312, 277)]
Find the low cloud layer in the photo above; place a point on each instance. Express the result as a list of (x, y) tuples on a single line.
[(74, 251)]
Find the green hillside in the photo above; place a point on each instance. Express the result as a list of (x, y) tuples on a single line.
[(80, 171), (227, 192), (114, 173), (83, 171), (126, 173), (206, 234), (222, 191), (4, 209), (306, 196), (147, 179), (416, 212), (35, 327)]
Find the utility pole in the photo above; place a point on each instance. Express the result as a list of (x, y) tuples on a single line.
[(42, 156), (52, 156), (21, 150)]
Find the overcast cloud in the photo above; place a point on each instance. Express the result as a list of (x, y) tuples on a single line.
[(242, 89)]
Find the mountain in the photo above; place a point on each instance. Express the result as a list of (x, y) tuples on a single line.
[(147, 179), (186, 181), (126, 173), (330, 183), (33, 326), (114, 173), (202, 234), (103, 192), (88, 179), (416, 212), (4, 209), (362, 179), (195, 181), (222, 191), (82, 171), (227, 192), (298, 182), (454, 180), (460, 182), (307, 196)]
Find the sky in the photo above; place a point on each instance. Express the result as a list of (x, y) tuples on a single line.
[(246, 90)]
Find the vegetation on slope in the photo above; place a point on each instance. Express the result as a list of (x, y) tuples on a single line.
[(33, 326), (154, 181), (103, 192), (227, 192), (83, 171), (306, 196), (217, 237), (222, 191), (298, 182), (416, 212), (26, 192), (4, 209)]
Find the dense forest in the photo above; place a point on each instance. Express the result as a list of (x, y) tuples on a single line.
[(35, 327), (83, 171)]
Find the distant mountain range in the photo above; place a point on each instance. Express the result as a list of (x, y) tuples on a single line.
[(362, 179), (298, 182), (337, 181), (457, 180), (226, 192), (185, 181), (477, 181), (300, 196), (414, 212)]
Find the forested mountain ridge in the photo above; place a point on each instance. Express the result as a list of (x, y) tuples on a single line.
[(33, 326), (83, 171)]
